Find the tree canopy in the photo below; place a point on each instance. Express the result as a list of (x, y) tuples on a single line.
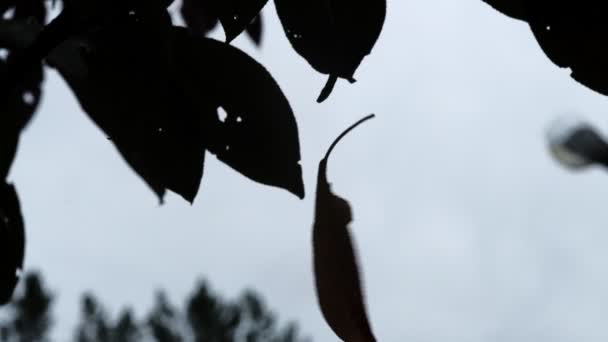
[(204, 317)]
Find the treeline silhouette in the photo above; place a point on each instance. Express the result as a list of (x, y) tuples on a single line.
[(204, 317)]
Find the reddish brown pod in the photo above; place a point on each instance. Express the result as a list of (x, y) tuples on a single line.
[(337, 277)]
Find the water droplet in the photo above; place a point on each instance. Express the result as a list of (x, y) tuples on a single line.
[(28, 98), (4, 54), (221, 114), (9, 14)]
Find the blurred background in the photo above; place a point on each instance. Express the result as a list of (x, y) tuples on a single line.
[(466, 229)]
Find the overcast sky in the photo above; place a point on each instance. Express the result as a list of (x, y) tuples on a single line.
[(466, 229)]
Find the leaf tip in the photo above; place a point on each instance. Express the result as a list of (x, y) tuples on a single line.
[(161, 197), (297, 187), (231, 34), (190, 200), (300, 192)]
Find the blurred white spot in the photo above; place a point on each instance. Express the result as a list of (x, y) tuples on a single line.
[(221, 114), (558, 133), (28, 98), (9, 14), (4, 54)]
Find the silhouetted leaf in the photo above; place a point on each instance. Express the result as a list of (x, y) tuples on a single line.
[(332, 35), (23, 98), (512, 8), (12, 241), (576, 144), (254, 30), (237, 15), (90, 13), (201, 16), (124, 79), (571, 33), (336, 273), (259, 136)]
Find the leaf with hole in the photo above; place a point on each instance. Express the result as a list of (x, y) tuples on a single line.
[(332, 35), (259, 135), (12, 241), (337, 278)]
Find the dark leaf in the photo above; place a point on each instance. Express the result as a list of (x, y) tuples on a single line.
[(571, 33), (576, 144), (89, 13), (23, 97), (238, 15), (25, 9), (124, 78), (332, 35), (336, 272), (254, 30), (259, 135), (201, 16), (12, 241), (512, 8)]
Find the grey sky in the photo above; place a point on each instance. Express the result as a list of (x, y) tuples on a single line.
[(466, 229)]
